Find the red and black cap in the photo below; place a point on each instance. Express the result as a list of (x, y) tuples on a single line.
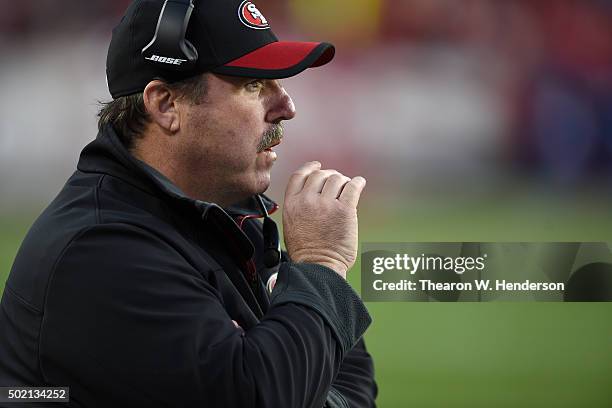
[(177, 39)]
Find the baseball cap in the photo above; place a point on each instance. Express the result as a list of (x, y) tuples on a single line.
[(230, 37)]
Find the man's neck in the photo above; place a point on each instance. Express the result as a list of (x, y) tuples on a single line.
[(172, 173)]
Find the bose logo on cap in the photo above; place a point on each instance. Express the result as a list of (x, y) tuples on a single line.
[(166, 60)]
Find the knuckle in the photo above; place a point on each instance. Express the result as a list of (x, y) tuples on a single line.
[(355, 185), (297, 175), (341, 209), (309, 201), (337, 177), (359, 180), (329, 172)]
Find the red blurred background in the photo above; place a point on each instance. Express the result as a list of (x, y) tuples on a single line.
[(422, 92)]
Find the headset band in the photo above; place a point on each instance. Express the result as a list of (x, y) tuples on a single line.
[(169, 48)]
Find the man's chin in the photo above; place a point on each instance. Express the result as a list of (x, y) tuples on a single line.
[(263, 184), (259, 184)]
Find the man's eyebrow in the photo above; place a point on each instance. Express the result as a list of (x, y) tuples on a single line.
[(241, 81)]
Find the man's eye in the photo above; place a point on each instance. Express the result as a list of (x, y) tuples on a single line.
[(254, 86)]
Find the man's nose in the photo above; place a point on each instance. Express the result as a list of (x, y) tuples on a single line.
[(281, 106)]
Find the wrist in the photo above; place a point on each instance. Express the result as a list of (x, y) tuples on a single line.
[(337, 266)]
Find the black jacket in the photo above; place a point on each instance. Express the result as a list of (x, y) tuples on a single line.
[(125, 290)]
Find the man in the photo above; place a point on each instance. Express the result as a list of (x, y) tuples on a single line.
[(149, 281)]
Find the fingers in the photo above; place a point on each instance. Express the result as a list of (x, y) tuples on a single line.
[(333, 185), (329, 183), (298, 178), (316, 180), (352, 191)]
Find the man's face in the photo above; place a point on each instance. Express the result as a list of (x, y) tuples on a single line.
[(228, 137)]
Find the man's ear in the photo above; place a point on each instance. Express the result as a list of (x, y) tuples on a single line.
[(161, 104)]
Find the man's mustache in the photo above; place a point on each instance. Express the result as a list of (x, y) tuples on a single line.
[(271, 137)]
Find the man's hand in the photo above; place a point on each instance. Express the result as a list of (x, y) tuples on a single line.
[(320, 217)]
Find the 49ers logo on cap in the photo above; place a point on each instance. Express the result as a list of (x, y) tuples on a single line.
[(251, 17)]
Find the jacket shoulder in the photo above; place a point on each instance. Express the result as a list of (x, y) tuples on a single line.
[(71, 211), (91, 206)]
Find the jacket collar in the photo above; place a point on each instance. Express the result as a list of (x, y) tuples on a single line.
[(107, 155)]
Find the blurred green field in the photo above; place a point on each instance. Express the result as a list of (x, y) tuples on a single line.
[(471, 354)]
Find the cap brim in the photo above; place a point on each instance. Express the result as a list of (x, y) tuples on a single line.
[(279, 59)]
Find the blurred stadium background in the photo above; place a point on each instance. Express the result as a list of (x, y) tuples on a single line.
[(473, 120)]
